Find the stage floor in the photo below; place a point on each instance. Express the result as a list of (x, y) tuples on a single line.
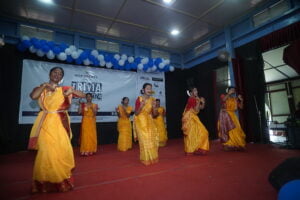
[(119, 175)]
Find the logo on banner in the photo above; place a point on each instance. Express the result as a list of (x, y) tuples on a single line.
[(88, 84)]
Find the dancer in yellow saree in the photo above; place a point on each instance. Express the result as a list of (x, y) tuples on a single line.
[(195, 134), (51, 134), (160, 124), (88, 133), (124, 125), (145, 110), (230, 132)]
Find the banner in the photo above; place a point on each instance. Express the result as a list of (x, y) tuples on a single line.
[(108, 87)]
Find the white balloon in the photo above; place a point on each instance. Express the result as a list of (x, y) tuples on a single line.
[(50, 55), (130, 59), (32, 49), (40, 53), (79, 51), (124, 57), (154, 68), (161, 65), (102, 63), (149, 70), (109, 65), (75, 55), (117, 56), (172, 69), (68, 51), (100, 57), (95, 53), (25, 37), (140, 66), (145, 60), (86, 62), (121, 62), (62, 56), (72, 48), (167, 62)]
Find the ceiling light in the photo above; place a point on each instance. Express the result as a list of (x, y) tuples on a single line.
[(47, 1), (169, 2), (175, 32)]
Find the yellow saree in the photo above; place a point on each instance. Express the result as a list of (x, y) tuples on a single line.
[(161, 129), (124, 128), (88, 134), (147, 133), (195, 134), (236, 136), (51, 135)]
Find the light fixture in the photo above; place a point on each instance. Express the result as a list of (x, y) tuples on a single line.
[(47, 1), (169, 2), (175, 32)]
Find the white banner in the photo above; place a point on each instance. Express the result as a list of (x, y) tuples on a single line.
[(107, 86)]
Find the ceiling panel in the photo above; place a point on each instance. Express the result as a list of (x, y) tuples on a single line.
[(288, 71), (53, 14), (193, 7), (150, 22), (108, 8), (141, 12), (91, 24), (127, 32), (228, 12), (273, 75), (197, 31), (172, 20)]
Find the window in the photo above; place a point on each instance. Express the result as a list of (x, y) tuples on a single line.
[(273, 11), (202, 48), (108, 46), (160, 54), (39, 33)]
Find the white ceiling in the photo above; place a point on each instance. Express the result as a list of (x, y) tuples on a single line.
[(140, 21), (275, 69)]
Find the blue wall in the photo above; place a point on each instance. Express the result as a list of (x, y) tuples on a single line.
[(242, 32)]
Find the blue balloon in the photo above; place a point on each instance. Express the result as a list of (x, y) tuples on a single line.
[(157, 61), (51, 44), (26, 43), (150, 63), (43, 42), (290, 191), (37, 44), (63, 46), (56, 50), (69, 59), (145, 67), (33, 40), (137, 60), (78, 61), (21, 47), (133, 66), (96, 62), (45, 48)]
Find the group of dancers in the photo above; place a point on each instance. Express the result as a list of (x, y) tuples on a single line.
[(51, 132)]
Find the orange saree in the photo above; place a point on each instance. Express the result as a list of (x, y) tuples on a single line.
[(124, 128), (195, 134), (50, 136), (88, 133), (146, 132)]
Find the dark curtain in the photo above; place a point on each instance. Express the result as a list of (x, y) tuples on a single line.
[(14, 136), (249, 69), (239, 84), (281, 37), (202, 77), (291, 55)]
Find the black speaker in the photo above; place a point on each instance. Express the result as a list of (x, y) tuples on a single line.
[(286, 171)]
